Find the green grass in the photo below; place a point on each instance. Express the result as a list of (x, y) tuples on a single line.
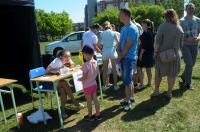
[(182, 114)]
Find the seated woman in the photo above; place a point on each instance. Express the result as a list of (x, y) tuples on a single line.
[(63, 60)]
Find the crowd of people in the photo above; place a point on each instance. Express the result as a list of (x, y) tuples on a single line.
[(134, 48)]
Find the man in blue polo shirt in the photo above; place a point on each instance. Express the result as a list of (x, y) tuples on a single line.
[(128, 54)]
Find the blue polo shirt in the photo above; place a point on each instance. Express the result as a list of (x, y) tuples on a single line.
[(129, 32)]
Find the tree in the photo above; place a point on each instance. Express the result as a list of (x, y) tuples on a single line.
[(111, 14), (177, 5), (152, 12), (197, 5), (54, 24)]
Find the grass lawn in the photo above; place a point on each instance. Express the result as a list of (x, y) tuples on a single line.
[(182, 114)]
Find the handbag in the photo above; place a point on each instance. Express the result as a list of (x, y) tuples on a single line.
[(167, 55)]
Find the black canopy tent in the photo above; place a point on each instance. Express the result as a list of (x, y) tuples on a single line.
[(19, 50)]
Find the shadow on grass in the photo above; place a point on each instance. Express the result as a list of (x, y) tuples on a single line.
[(20, 98), (178, 92), (53, 124), (86, 126), (145, 109)]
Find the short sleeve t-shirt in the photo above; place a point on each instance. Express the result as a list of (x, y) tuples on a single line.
[(56, 64), (129, 32), (108, 39), (89, 38), (91, 69), (190, 27)]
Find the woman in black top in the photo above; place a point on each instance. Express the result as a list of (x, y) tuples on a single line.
[(146, 52)]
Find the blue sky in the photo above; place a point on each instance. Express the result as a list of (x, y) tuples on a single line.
[(75, 8)]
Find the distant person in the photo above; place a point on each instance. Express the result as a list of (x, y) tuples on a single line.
[(140, 30), (191, 27), (127, 54), (109, 41), (90, 71), (168, 43), (63, 60), (90, 38), (146, 52)]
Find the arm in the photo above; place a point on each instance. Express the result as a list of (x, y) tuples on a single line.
[(84, 77), (117, 40), (50, 70), (128, 45)]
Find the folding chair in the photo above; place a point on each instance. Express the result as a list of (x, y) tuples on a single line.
[(42, 87)]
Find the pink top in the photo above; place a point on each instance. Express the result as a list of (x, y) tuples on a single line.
[(91, 68)]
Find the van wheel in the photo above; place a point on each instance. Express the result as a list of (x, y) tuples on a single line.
[(57, 51)]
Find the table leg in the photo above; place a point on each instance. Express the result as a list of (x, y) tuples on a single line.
[(99, 79), (55, 84), (41, 104), (2, 107), (14, 105)]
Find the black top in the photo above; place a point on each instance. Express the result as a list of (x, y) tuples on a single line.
[(147, 41), (17, 2)]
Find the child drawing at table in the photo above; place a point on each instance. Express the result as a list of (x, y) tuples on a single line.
[(63, 60), (90, 71)]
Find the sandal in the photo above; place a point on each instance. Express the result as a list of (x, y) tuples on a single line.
[(155, 94)]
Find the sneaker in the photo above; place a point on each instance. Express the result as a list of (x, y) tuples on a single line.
[(89, 118), (64, 116), (104, 88), (98, 117), (116, 88), (132, 99), (139, 86), (123, 102), (127, 106), (189, 86)]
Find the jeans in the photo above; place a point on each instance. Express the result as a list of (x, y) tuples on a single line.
[(128, 66), (189, 55)]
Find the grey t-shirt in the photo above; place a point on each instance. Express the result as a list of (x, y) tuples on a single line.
[(190, 27)]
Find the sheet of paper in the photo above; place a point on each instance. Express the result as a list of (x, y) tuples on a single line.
[(78, 84), (45, 77)]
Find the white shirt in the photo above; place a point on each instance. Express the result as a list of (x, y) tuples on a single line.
[(56, 64), (90, 39)]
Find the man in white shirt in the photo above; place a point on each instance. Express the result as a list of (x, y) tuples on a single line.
[(90, 38)]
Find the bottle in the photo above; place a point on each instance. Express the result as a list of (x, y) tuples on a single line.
[(20, 118)]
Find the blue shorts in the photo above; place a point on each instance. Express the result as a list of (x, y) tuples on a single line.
[(128, 66)]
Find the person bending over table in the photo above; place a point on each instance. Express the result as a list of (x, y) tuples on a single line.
[(63, 60)]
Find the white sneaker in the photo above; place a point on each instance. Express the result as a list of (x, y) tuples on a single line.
[(104, 88), (127, 106), (139, 86), (116, 87)]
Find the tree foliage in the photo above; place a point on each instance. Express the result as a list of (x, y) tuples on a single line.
[(152, 12), (111, 14), (54, 24), (139, 12), (197, 5)]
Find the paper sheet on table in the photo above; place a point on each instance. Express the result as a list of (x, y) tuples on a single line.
[(78, 84), (45, 77)]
